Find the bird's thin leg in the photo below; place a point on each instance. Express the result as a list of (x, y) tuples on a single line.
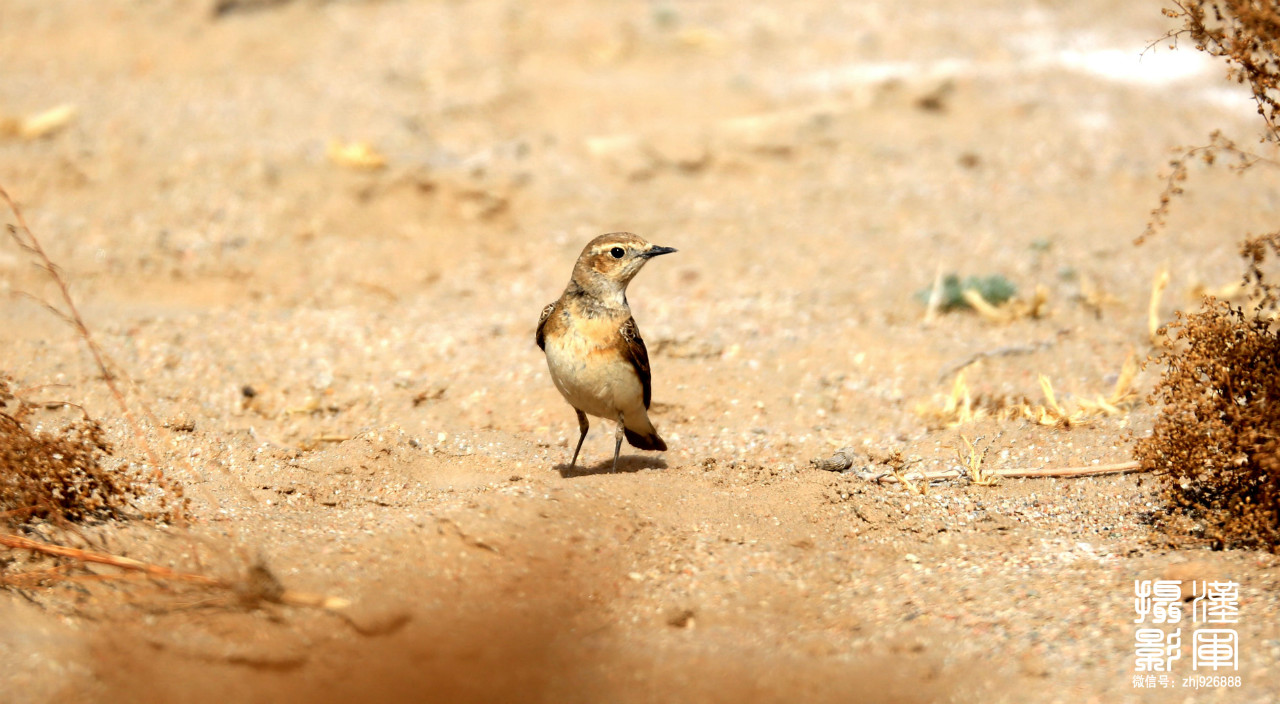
[(582, 425), (617, 446)]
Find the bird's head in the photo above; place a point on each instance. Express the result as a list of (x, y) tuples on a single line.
[(609, 262)]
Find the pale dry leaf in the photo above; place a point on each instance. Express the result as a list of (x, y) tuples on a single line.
[(355, 155), (38, 125)]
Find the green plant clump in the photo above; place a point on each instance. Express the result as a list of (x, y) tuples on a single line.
[(994, 289)]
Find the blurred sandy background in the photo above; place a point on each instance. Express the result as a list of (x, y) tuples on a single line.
[(319, 234)]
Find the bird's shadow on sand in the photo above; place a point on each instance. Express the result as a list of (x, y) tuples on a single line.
[(626, 465)]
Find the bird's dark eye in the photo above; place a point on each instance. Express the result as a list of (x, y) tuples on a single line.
[(617, 252)]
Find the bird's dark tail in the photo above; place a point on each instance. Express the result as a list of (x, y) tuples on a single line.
[(645, 442)]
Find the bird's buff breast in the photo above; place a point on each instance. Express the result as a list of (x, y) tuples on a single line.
[(591, 372)]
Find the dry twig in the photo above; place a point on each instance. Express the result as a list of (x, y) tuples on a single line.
[(1005, 351), (259, 585), (844, 459), (1153, 308), (935, 298), (1061, 472), (17, 542)]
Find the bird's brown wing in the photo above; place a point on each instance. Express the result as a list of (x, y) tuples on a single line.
[(541, 335), (638, 355)]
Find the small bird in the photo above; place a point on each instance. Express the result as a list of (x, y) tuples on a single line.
[(594, 350)]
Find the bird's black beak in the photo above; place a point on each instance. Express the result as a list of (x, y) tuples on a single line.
[(659, 250)]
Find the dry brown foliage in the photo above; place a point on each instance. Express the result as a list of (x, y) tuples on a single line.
[(1216, 443), (1247, 34), (1219, 147), (58, 473)]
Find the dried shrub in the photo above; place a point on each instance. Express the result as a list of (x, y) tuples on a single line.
[(1215, 445), (1247, 34), (57, 474), (1216, 442), (60, 473)]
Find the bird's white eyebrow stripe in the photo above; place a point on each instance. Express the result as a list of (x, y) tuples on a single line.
[(601, 248)]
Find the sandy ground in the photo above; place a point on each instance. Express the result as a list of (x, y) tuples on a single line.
[(816, 164)]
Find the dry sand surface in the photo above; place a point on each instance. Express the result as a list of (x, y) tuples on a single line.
[(341, 360)]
